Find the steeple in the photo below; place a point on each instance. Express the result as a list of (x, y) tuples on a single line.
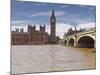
[(53, 14)]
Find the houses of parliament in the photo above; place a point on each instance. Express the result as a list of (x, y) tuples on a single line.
[(35, 37)]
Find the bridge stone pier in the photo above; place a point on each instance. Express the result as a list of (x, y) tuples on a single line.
[(84, 39)]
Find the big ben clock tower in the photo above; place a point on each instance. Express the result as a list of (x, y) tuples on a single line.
[(53, 27)]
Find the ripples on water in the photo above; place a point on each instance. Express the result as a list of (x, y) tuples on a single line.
[(37, 58)]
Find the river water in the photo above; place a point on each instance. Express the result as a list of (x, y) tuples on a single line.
[(50, 58)]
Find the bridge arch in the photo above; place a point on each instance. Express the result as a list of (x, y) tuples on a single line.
[(65, 42), (71, 42), (86, 42), (89, 35)]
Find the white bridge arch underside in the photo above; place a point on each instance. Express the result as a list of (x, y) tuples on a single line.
[(85, 41)]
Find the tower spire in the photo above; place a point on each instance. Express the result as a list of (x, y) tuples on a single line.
[(53, 14)]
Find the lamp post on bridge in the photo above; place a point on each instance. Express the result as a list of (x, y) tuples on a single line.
[(75, 41)]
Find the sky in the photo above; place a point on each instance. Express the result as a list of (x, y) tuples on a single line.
[(67, 15)]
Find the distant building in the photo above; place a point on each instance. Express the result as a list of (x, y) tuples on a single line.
[(71, 31), (33, 36)]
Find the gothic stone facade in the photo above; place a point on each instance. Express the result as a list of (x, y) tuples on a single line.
[(31, 37)]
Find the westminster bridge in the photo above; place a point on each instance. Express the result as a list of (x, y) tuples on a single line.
[(83, 39)]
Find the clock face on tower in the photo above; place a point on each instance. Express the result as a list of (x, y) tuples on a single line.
[(53, 20)]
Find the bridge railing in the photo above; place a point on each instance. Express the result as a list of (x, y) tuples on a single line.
[(88, 30)]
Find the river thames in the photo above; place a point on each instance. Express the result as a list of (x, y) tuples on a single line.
[(50, 58)]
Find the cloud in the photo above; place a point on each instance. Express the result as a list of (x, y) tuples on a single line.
[(83, 6), (80, 20), (75, 19), (47, 13), (15, 22), (25, 22), (64, 6), (89, 7), (92, 8), (86, 25), (61, 28), (13, 28)]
